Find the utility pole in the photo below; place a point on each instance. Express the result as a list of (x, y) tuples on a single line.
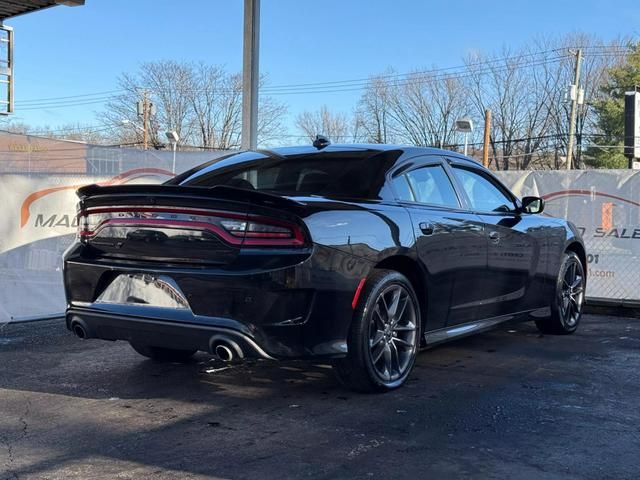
[(145, 120), (250, 74), (575, 94), (145, 109), (487, 137)]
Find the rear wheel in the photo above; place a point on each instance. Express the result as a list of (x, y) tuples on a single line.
[(161, 354), (566, 306), (384, 336)]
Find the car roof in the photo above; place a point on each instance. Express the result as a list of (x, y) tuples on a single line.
[(407, 151), (404, 153)]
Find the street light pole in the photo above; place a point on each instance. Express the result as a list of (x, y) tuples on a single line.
[(174, 138), (173, 168), (250, 74)]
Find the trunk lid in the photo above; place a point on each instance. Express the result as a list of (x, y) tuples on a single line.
[(177, 224)]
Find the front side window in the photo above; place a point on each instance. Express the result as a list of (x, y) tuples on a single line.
[(483, 194), (429, 185)]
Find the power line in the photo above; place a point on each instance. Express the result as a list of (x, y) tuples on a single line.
[(409, 79), (64, 105), (429, 73), (337, 86), (80, 95)]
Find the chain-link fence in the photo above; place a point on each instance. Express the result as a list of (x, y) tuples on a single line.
[(38, 179), (605, 206)]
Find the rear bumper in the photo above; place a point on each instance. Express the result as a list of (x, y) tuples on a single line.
[(301, 311), (163, 333)]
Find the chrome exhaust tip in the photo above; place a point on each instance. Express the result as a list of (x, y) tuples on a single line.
[(225, 348), (224, 353)]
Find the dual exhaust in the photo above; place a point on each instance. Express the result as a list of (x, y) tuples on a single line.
[(79, 330), (220, 345), (224, 353), (225, 348)]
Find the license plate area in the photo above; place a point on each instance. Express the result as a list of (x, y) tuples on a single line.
[(144, 290)]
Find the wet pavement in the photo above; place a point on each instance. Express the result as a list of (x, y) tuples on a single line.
[(506, 404)]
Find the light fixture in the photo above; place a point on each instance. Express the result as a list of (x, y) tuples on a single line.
[(465, 125), (172, 136)]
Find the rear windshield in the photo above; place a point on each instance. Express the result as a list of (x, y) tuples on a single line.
[(341, 174)]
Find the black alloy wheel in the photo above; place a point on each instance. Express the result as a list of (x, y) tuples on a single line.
[(392, 333), (566, 307), (384, 336)]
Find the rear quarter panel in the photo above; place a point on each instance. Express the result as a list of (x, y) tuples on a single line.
[(371, 231)]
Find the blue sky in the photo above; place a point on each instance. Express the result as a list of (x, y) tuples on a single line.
[(69, 51)]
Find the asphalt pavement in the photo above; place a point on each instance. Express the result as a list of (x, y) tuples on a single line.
[(505, 404)]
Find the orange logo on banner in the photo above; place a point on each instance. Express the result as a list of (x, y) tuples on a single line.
[(25, 209), (607, 216)]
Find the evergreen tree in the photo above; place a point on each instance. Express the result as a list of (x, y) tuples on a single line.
[(610, 113)]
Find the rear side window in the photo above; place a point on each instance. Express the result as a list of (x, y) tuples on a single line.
[(401, 186), (429, 185)]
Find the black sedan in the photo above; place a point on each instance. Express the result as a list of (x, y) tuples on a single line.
[(357, 254)]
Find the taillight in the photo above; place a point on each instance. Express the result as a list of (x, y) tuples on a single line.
[(235, 228), (88, 224), (258, 233)]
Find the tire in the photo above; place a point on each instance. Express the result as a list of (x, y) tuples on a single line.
[(384, 335), (566, 306), (160, 354)]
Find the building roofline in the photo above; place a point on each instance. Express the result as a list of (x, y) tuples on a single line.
[(16, 8)]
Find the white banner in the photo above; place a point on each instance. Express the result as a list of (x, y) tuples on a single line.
[(38, 224), (605, 206)]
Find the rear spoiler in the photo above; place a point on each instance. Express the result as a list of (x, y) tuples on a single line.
[(221, 192)]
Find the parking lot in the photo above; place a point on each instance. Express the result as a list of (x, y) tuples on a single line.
[(509, 402)]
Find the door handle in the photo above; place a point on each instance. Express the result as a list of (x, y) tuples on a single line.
[(494, 236), (426, 228)]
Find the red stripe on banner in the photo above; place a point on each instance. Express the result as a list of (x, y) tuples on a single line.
[(570, 193), (31, 198)]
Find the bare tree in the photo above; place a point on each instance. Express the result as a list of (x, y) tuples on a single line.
[(168, 83), (216, 99), (20, 128), (525, 91), (72, 131), (424, 109), (374, 118), (202, 103), (334, 125), (271, 116), (500, 84)]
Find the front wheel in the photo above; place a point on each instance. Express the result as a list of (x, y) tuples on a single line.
[(566, 306), (384, 336)]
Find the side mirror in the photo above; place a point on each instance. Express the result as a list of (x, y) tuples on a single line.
[(532, 205)]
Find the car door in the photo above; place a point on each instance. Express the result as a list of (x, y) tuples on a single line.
[(450, 241), (515, 247)]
